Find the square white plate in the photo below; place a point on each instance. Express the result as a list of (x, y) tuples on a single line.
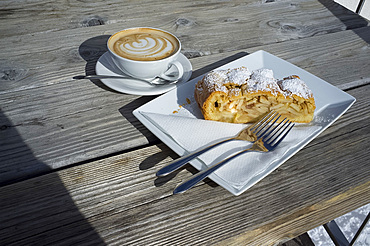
[(331, 103)]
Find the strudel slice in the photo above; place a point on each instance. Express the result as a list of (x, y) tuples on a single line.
[(241, 96)]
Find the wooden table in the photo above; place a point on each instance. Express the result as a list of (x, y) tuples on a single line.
[(76, 167)]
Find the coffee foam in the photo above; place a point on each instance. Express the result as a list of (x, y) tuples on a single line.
[(143, 44)]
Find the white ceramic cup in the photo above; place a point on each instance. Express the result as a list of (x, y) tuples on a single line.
[(146, 52)]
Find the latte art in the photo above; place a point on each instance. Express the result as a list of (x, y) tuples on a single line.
[(145, 46), (146, 53)]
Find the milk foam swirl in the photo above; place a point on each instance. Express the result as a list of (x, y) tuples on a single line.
[(145, 46)]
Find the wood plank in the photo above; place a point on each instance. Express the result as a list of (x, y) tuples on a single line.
[(208, 30), (292, 19), (342, 63), (117, 200), (40, 120)]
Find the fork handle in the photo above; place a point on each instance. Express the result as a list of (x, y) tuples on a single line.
[(203, 174), (176, 164)]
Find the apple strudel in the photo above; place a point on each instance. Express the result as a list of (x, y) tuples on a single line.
[(242, 96)]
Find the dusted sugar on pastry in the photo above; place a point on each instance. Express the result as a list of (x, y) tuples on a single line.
[(242, 96)]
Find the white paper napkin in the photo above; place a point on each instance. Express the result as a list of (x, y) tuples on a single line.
[(193, 134)]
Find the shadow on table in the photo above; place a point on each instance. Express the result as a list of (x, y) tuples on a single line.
[(153, 160), (91, 50), (35, 206), (351, 20), (126, 111)]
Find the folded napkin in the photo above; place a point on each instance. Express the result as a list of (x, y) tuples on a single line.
[(193, 134)]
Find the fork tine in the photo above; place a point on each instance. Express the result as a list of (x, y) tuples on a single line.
[(268, 136), (283, 132), (279, 132), (263, 121), (261, 132)]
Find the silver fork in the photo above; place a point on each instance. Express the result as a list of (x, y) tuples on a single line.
[(250, 134), (267, 141)]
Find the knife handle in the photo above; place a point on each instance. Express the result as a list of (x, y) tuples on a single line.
[(176, 164), (205, 173)]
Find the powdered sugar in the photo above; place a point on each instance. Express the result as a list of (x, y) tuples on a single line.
[(262, 80), (262, 73), (232, 81), (294, 86), (216, 80), (238, 76)]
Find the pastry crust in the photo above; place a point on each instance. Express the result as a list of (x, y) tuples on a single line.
[(241, 96)]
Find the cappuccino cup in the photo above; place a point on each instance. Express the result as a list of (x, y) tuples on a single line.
[(146, 53)]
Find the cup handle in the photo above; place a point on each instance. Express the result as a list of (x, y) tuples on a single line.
[(180, 71)]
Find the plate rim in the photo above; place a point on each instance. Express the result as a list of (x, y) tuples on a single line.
[(347, 103)]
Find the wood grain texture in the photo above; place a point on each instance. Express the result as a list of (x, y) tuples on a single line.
[(77, 168), (203, 30), (118, 200), (292, 18), (50, 121)]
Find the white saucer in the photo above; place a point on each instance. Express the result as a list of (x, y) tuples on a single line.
[(105, 66)]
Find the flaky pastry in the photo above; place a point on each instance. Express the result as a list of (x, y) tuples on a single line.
[(242, 96)]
